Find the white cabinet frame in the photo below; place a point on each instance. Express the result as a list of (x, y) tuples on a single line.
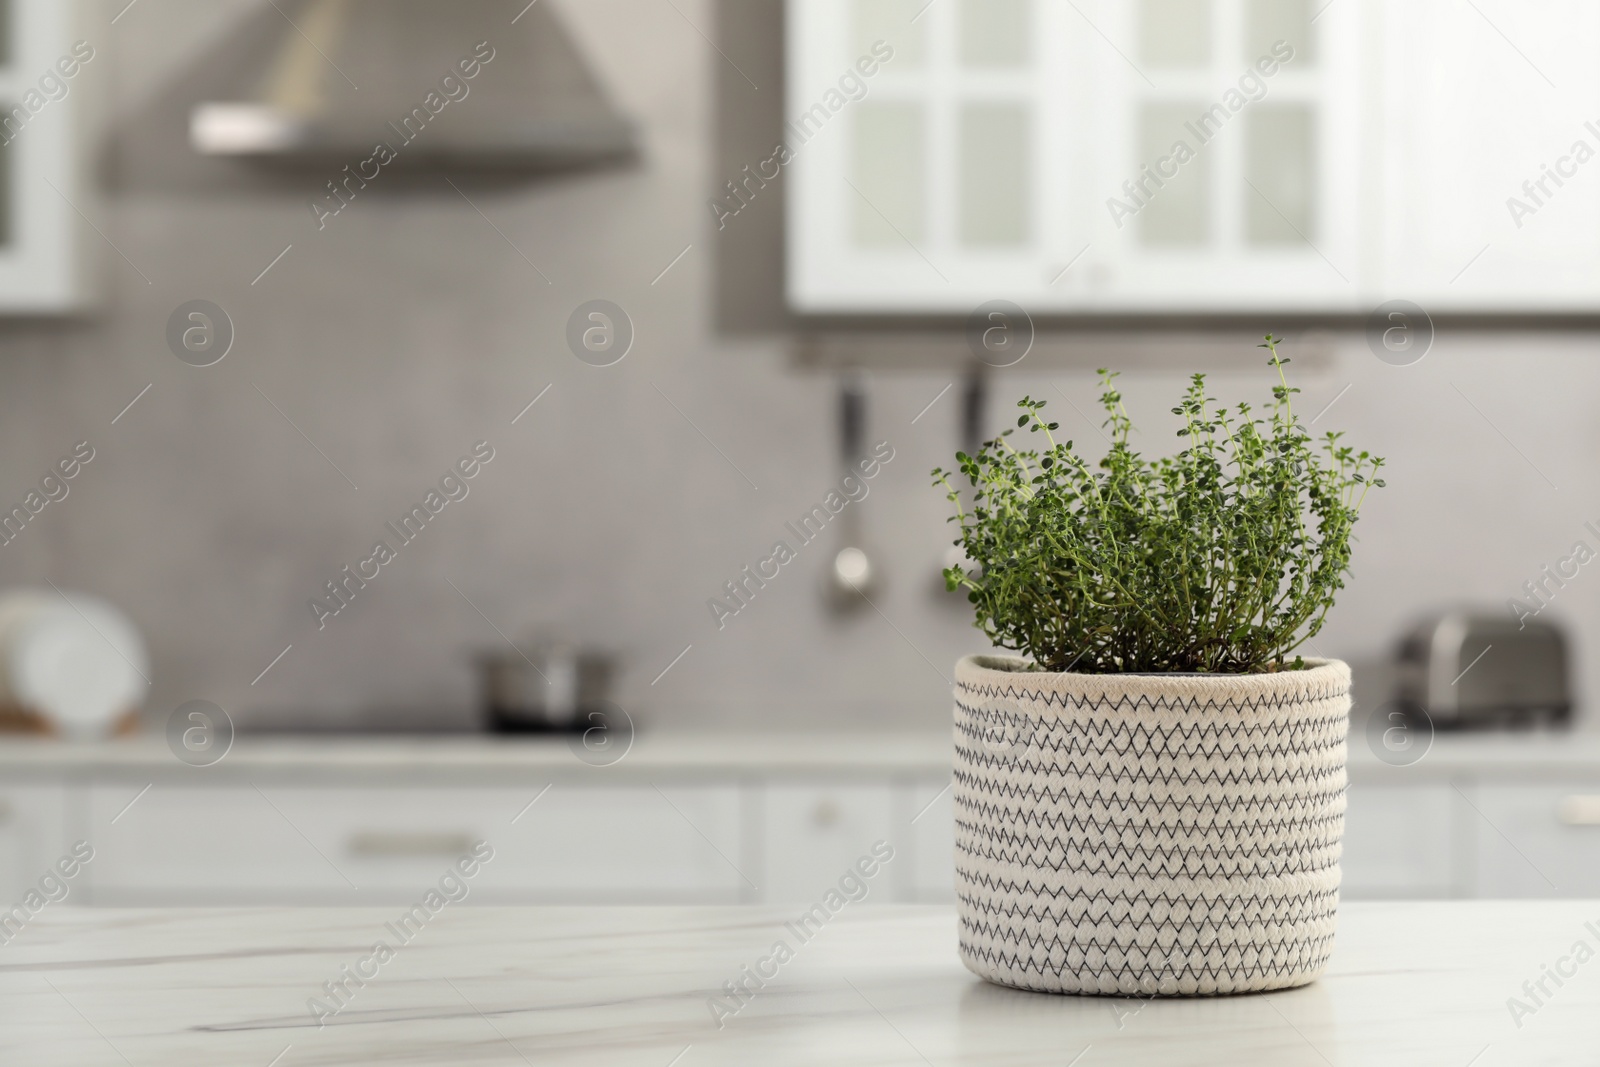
[(45, 119)]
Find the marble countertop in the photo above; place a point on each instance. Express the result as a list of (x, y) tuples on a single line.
[(1410, 983), (476, 759)]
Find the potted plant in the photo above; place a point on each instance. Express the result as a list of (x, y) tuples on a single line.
[(1150, 797)]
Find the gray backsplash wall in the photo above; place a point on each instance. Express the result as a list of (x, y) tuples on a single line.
[(410, 328)]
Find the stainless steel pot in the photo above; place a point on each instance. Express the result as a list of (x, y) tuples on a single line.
[(552, 688)]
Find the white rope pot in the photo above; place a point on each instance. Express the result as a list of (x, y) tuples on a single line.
[(1148, 834)]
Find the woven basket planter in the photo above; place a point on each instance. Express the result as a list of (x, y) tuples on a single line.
[(1148, 834)]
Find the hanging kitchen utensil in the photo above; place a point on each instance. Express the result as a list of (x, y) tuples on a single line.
[(853, 575), (973, 396)]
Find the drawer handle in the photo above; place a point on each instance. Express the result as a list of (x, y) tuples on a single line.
[(374, 843), (1580, 810)]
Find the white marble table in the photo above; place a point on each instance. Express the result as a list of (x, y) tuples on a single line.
[(1412, 984)]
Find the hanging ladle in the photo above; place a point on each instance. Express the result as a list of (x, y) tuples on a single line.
[(853, 575)]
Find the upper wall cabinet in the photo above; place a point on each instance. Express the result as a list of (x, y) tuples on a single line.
[(48, 66), (1193, 156)]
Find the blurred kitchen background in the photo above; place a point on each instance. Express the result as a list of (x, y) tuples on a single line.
[(374, 347)]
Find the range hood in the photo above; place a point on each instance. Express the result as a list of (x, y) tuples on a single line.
[(472, 83)]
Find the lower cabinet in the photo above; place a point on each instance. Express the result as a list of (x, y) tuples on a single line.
[(774, 840), (1472, 839), (545, 843), (1538, 840), (1398, 843), (931, 866), (33, 839), (782, 842), (813, 836)]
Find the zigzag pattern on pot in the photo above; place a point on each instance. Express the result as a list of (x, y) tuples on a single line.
[(1313, 801), (1142, 702), (1138, 861), (1065, 823), (1101, 739), (1171, 840), (1165, 914)]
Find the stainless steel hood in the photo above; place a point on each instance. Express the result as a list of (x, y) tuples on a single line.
[(472, 83)]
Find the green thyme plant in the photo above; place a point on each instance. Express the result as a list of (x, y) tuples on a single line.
[(1221, 559)]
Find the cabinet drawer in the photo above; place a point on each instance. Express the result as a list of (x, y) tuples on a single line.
[(240, 844), (814, 834), (1538, 840), (1397, 842), (630, 845)]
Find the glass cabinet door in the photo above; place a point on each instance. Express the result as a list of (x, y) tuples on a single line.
[(1192, 156)]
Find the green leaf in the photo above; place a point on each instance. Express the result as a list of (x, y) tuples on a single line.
[(1221, 557)]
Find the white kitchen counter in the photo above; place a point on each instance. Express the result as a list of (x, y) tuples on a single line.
[(481, 759), (669, 755), (1416, 983)]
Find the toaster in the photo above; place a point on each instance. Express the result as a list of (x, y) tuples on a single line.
[(1472, 669)]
